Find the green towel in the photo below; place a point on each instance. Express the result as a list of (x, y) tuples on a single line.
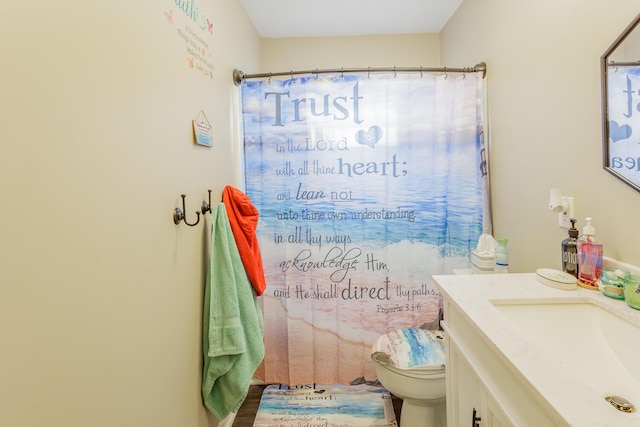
[(233, 328)]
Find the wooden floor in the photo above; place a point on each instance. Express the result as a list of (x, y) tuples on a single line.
[(247, 412)]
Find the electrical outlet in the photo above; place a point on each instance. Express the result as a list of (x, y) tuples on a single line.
[(565, 216)]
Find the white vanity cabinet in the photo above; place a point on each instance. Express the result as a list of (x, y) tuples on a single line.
[(522, 354), (481, 391), (469, 403)]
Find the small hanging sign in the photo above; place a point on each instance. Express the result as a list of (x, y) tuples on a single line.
[(202, 130)]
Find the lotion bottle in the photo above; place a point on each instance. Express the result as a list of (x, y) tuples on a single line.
[(589, 256), (570, 251), (502, 256)]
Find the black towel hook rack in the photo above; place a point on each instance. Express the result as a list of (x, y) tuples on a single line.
[(179, 216), (206, 205)]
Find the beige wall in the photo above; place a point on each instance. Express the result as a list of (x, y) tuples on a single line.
[(100, 293), (545, 126), (309, 53)]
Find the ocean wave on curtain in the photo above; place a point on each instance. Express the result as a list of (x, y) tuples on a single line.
[(366, 185)]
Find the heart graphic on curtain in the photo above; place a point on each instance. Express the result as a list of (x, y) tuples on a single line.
[(617, 132), (370, 137)]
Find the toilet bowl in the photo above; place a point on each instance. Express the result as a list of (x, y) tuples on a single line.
[(410, 364)]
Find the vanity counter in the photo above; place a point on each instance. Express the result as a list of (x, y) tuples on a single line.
[(564, 396)]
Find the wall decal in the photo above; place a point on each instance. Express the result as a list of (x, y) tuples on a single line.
[(195, 29)]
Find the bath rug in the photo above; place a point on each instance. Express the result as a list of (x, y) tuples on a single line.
[(325, 406)]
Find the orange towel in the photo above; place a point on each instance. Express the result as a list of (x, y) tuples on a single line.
[(243, 217)]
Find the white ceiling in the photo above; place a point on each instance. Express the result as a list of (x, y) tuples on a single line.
[(317, 18)]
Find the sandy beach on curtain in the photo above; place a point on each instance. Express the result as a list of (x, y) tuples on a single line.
[(348, 360)]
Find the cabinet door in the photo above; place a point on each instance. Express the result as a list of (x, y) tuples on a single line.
[(495, 416), (478, 380), (467, 396)]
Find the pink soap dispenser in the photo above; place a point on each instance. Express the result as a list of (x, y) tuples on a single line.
[(589, 257)]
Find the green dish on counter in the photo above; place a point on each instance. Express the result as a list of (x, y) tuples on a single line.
[(612, 282), (632, 291)]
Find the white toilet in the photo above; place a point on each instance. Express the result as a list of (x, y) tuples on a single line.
[(410, 364)]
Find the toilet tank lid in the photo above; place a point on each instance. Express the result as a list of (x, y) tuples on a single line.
[(410, 348)]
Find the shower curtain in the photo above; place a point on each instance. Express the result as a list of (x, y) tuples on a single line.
[(367, 184)]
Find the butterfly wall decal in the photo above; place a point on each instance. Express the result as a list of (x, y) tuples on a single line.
[(169, 16)]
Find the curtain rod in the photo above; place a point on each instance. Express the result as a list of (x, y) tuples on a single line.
[(623, 64), (239, 76)]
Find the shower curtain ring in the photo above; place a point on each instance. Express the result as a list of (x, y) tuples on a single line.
[(269, 82), (291, 74), (317, 74), (421, 71), (369, 75), (395, 74), (342, 72), (445, 73)]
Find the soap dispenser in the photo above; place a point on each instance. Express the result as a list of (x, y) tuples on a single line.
[(570, 251), (589, 257)]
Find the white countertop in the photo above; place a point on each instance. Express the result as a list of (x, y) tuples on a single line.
[(574, 401)]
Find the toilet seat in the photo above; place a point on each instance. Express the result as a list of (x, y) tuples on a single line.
[(414, 352), (409, 363)]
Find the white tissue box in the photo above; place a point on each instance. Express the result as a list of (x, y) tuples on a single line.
[(482, 263)]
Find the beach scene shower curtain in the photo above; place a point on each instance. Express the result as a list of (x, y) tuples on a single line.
[(623, 111), (367, 185)]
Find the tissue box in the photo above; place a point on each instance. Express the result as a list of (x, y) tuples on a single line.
[(482, 263)]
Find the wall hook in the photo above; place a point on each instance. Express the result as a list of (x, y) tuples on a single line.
[(178, 214), (206, 205)]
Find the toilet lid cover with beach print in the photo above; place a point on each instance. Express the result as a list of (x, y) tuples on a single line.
[(409, 348)]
